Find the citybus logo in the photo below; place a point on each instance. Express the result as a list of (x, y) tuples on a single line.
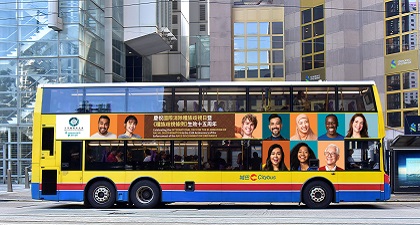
[(73, 121), (253, 177)]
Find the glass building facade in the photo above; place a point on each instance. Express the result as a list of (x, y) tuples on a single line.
[(32, 53), (401, 60), (258, 45)]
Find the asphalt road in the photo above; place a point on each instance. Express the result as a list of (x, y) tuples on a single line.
[(18, 208)]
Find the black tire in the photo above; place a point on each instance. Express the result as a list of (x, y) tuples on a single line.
[(317, 195), (145, 194), (101, 195)]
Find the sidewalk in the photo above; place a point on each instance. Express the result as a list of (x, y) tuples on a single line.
[(20, 193)]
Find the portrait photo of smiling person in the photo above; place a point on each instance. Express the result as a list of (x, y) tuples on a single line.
[(331, 155), (300, 157), (247, 126), (275, 125), (332, 127), (275, 159), (130, 124), (104, 123), (358, 126), (303, 127)]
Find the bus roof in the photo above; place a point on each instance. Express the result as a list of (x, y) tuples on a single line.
[(207, 84)]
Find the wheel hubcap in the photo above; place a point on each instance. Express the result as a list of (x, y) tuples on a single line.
[(144, 194), (317, 194), (101, 194)]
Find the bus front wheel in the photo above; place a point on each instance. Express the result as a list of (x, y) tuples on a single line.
[(317, 195), (101, 194), (145, 194)]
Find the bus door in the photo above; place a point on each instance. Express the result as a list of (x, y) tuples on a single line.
[(48, 165), (70, 175)]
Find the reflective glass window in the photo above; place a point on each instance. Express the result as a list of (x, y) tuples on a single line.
[(252, 43), (393, 82), (392, 8), (409, 42), (278, 71), (277, 27), (306, 16), (239, 72), (410, 80), (278, 56), (239, 57), (252, 72), (252, 28), (252, 57), (307, 47), (153, 99), (393, 101), (264, 28), (392, 26), (318, 28), (393, 45), (307, 31), (105, 99), (264, 57), (318, 12), (319, 60), (224, 99), (410, 99), (307, 63), (394, 119), (264, 42), (319, 44), (277, 41), (63, 100), (239, 28), (239, 43)]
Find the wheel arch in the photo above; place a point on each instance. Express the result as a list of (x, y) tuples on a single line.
[(323, 179)]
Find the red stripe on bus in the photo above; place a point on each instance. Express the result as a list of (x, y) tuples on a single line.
[(72, 187), (235, 187), (357, 187)]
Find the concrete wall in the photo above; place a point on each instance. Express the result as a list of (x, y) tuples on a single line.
[(220, 40)]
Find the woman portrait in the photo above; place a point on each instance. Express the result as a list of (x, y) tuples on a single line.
[(275, 159), (303, 129), (300, 156), (358, 127)]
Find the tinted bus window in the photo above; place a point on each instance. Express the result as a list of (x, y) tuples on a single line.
[(147, 99), (63, 100), (105, 100), (356, 99), (224, 99), (186, 99)]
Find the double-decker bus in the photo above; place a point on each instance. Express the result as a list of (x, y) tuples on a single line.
[(154, 143)]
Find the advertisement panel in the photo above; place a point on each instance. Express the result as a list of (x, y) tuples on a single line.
[(407, 171)]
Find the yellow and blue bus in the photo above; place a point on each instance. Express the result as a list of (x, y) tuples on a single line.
[(147, 144)]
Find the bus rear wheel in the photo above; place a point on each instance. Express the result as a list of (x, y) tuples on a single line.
[(145, 194), (317, 195), (101, 194)]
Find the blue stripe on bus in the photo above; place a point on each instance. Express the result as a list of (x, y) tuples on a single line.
[(235, 196), (387, 192), (243, 196), (360, 196), (174, 196)]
